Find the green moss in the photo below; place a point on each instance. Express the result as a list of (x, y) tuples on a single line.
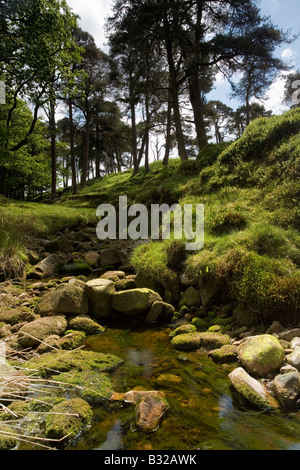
[(68, 419), (200, 323), (92, 386), (224, 355), (7, 442), (188, 328), (85, 324), (187, 342), (72, 339), (56, 362)]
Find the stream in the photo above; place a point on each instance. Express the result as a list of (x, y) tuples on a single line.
[(203, 414)]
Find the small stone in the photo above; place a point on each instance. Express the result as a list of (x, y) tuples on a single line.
[(289, 335), (288, 368), (294, 358), (276, 327), (295, 343)]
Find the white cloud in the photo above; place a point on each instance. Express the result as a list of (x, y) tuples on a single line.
[(275, 95), (93, 14)]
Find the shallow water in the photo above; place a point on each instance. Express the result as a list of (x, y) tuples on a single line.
[(203, 414)]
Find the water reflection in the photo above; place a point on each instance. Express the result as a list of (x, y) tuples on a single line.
[(114, 438), (226, 407), (142, 359)]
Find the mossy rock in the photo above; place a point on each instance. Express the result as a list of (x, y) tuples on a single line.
[(211, 340), (222, 320), (86, 324), (7, 442), (200, 323), (68, 419), (134, 301), (33, 333), (226, 354), (92, 386), (13, 316), (66, 299), (194, 341), (261, 355), (251, 389), (187, 342), (183, 329), (217, 329), (72, 339), (56, 362)]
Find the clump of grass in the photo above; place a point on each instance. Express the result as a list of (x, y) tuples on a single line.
[(20, 222), (13, 235)]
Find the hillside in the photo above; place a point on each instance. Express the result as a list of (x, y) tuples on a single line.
[(251, 193)]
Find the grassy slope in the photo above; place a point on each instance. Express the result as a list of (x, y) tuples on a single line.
[(251, 193), (20, 221)]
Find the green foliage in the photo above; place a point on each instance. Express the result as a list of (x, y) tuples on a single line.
[(261, 137), (209, 154)]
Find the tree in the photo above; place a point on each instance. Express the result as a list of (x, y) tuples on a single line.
[(92, 88), (29, 170), (36, 41), (198, 38), (239, 118), (219, 116)]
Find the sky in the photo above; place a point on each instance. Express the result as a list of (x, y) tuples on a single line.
[(284, 14)]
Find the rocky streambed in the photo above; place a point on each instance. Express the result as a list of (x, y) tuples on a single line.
[(105, 362)]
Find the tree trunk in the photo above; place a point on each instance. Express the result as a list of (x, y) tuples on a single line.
[(72, 148), (134, 139), (97, 159), (85, 161), (175, 96), (168, 133), (197, 105), (3, 174), (52, 125)]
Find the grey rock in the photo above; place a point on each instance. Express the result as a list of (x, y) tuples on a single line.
[(100, 293), (67, 299), (286, 388)]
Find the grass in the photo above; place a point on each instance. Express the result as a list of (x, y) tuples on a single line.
[(22, 221)]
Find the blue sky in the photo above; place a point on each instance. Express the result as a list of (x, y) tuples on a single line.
[(284, 13)]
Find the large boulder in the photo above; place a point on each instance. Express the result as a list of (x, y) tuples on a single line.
[(33, 333), (134, 301), (46, 268), (261, 355), (67, 299), (100, 293), (250, 389)]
